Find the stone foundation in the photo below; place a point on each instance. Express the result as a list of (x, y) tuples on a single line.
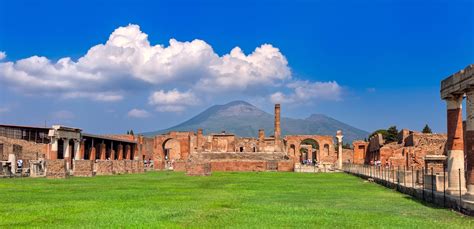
[(198, 169), (55, 168), (118, 167), (238, 165), (83, 168), (286, 166), (103, 167)]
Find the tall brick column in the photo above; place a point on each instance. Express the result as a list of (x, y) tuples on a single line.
[(261, 140), (339, 137), (67, 153), (82, 149), (470, 145), (127, 152), (277, 127), (199, 139), (102, 151), (77, 150), (53, 153), (93, 153), (120, 152), (455, 146)]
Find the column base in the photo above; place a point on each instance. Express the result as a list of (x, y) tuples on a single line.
[(455, 191)]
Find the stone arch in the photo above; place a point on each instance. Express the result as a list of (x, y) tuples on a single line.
[(314, 154), (171, 149)]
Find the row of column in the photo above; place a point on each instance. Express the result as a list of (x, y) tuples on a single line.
[(455, 146), (79, 149)]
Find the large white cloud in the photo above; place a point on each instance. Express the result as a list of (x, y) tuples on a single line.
[(127, 55), (138, 113), (302, 91), (3, 55), (127, 63)]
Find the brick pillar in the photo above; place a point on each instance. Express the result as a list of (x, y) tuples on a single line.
[(78, 146), (93, 153), (199, 139), (277, 125), (339, 137), (82, 148), (102, 151), (53, 153), (120, 152), (112, 154), (127, 152), (261, 140), (470, 145), (455, 146), (67, 153)]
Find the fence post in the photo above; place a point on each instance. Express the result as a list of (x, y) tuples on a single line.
[(444, 186), (423, 182), (460, 196), (432, 185)]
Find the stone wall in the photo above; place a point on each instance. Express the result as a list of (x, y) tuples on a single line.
[(83, 168), (238, 165), (286, 166), (179, 166), (198, 168), (118, 167), (27, 151), (103, 167), (55, 168)]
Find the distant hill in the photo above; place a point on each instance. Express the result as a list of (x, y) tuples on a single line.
[(244, 119)]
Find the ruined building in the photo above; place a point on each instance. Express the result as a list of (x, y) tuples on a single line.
[(62, 151)]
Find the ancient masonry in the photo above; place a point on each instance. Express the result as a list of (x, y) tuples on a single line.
[(62, 151)]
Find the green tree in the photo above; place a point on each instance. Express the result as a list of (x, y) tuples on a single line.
[(346, 146), (392, 134), (427, 130), (128, 132), (131, 132)]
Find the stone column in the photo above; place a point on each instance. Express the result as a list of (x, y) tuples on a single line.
[(277, 125), (470, 145), (455, 146), (53, 153), (261, 140), (67, 153), (199, 138), (112, 151), (127, 152), (102, 151), (12, 160), (120, 152), (339, 137), (93, 153), (78, 155)]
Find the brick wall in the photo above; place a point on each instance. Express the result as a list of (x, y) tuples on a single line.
[(118, 167), (286, 166), (198, 168), (83, 168), (55, 168), (103, 167), (179, 166), (238, 165)]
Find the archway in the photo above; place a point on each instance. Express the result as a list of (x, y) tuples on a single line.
[(313, 146), (171, 150)]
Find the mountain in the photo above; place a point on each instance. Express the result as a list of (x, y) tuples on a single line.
[(244, 119)]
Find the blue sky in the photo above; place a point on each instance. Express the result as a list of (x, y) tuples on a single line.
[(370, 64)]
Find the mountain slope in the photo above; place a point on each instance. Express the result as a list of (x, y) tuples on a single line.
[(244, 119)]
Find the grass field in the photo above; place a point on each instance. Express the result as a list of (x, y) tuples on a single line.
[(168, 199)]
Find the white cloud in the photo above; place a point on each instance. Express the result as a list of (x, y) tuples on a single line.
[(3, 55), (4, 110), (128, 56), (173, 100), (138, 113), (303, 91)]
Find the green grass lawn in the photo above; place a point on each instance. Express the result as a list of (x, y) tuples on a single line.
[(169, 199)]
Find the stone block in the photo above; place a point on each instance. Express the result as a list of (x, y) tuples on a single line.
[(83, 168), (198, 169), (104, 167), (55, 168)]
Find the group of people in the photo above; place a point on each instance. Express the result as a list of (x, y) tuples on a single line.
[(378, 163), (309, 162)]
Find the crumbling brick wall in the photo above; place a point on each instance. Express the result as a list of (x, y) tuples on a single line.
[(118, 167), (103, 167), (55, 168), (83, 168), (286, 166), (238, 165), (25, 150)]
